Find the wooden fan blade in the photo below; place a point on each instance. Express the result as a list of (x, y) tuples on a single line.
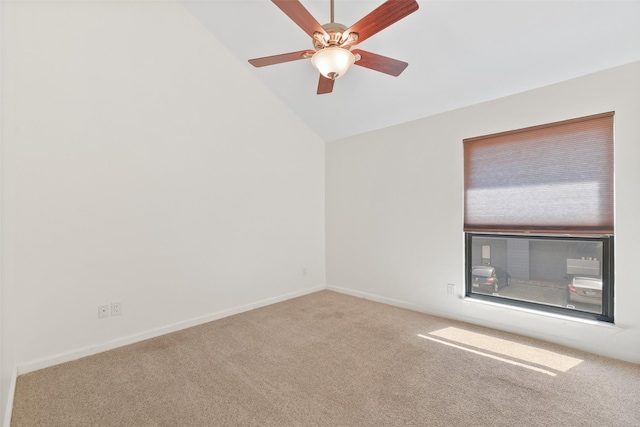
[(284, 57), (325, 85), (390, 66), (380, 18), (301, 16)]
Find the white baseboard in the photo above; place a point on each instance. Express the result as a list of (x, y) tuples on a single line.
[(46, 362), (12, 392), (403, 304), (377, 298)]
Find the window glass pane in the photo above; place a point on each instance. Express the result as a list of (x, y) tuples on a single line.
[(556, 272)]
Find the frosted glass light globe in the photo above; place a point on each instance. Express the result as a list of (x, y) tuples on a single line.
[(333, 62)]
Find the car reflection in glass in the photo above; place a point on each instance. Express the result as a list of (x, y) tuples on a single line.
[(586, 290), (489, 277)]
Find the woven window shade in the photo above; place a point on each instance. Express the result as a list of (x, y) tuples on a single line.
[(555, 178)]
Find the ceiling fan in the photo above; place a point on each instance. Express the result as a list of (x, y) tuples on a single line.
[(332, 42)]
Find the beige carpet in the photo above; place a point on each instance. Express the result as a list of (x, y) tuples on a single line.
[(328, 359)]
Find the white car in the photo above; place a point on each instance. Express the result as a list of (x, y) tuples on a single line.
[(585, 290)]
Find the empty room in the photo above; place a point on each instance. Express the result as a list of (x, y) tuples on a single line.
[(319, 213)]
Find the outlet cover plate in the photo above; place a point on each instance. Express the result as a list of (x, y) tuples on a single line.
[(116, 308), (103, 311)]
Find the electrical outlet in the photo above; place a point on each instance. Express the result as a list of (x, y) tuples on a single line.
[(304, 271), (116, 308), (451, 289), (103, 311)]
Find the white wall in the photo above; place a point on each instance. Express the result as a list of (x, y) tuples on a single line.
[(395, 210), (142, 163), (7, 349), (145, 165)]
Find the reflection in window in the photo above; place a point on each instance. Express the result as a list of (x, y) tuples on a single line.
[(567, 273)]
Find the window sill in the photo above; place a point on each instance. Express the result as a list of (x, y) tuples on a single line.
[(590, 322)]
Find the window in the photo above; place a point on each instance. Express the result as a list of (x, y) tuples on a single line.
[(539, 217)]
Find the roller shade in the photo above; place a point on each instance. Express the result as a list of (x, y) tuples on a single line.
[(555, 178)]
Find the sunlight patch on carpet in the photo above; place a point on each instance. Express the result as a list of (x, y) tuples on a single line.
[(497, 346), (501, 359)]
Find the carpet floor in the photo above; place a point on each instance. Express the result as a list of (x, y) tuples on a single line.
[(328, 359)]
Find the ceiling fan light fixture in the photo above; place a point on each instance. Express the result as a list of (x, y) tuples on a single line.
[(332, 42), (333, 61)]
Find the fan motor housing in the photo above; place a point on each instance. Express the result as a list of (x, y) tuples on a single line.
[(335, 31)]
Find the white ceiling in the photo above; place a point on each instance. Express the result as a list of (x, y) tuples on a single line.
[(459, 53)]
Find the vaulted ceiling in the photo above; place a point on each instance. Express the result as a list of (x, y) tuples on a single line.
[(459, 53)]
